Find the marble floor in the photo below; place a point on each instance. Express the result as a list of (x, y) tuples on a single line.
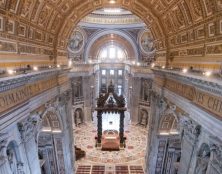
[(109, 169), (133, 154)]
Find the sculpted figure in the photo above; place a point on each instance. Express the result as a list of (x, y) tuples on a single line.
[(202, 163), (12, 161)]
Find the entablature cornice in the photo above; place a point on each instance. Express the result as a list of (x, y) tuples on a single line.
[(202, 93), (9, 83), (213, 86), (18, 90)]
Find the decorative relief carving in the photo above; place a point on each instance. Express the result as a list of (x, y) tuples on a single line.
[(28, 128), (203, 158), (21, 30), (191, 130), (161, 151), (14, 5), (146, 42), (10, 27), (44, 15), (76, 42), (200, 33), (35, 10), (209, 7), (214, 49), (3, 143), (179, 20), (27, 8), (168, 24), (111, 20), (220, 23), (195, 5), (216, 156), (196, 51), (2, 3), (1, 23), (7, 47)]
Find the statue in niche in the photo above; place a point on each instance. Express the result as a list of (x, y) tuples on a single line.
[(202, 162), (12, 160), (78, 117), (147, 87), (143, 117)]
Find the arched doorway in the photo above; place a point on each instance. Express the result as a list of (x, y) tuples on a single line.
[(50, 147)]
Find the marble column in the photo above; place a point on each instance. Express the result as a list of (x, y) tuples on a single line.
[(65, 111), (121, 129), (87, 92), (99, 129), (135, 95), (157, 108), (189, 144), (27, 130)]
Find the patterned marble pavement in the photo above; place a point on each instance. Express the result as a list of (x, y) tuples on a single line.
[(109, 169), (133, 154)]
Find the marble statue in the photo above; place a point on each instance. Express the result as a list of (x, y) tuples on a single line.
[(202, 163), (78, 117), (12, 161), (144, 118)]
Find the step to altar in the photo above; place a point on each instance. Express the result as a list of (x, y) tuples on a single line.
[(109, 169)]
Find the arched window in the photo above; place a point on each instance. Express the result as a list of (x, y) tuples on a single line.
[(112, 53), (168, 125)]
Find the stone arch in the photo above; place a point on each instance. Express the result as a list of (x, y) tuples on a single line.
[(146, 13), (100, 34), (78, 116), (50, 143), (169, 121), (51, 119)]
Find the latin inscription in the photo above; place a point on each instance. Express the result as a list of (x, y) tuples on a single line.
[(17, 96), (203, 99)]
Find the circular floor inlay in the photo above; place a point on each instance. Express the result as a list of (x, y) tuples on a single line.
[(134, 153)]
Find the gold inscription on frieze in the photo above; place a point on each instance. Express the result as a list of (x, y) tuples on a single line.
[(203, 99), (14, 97)]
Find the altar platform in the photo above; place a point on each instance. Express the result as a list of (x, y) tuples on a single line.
[(133, 153)]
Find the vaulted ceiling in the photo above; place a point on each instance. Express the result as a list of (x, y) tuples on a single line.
[(51, 22), (56, 17)]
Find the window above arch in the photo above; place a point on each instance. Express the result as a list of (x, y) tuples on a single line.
[(112, 53)]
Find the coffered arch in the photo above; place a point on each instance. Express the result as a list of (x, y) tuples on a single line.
[(144, 11), (118, 37), (43, 28)]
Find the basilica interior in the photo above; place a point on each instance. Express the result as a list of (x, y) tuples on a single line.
[(110, 86)]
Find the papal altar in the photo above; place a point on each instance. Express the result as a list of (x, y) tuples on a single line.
[(110, 119)]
